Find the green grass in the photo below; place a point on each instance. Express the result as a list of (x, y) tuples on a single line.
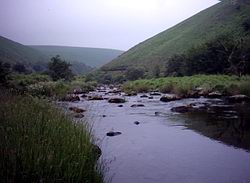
[(184, 85), (39, 143), (222, 18), (42, 85)]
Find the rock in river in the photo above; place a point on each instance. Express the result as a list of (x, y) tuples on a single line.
[(116, 100), (238, 99), (79, 116), (144, 96), (71, 98), (137, 105), (111, 133), (215, 94), (136, 122), (181, 109), (95, 97), (169, 98), (155, 94), (77, 110)]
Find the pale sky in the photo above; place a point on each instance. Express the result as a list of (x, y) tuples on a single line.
[(117, 24)]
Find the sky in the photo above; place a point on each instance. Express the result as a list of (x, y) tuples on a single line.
[(117, 24)]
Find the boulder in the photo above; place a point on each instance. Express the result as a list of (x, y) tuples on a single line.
[(193, 94), (77, 110), (95, 97), (78, 115), (137, 105), (215, 94), (155, 94), (120, 105), (97, 151), (71, 98), (133, 93), (144, 96), (150, 97), (117, 100), (84, 96), (181, 109), (169, 98), (238, 99), (111, 133), (136, 122)]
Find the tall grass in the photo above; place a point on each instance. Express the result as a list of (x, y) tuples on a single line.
[(184, 85), (39, 143)]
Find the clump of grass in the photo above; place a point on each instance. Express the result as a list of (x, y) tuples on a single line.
[(39, 143)]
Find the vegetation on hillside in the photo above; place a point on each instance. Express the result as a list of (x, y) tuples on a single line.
[(224, 18), (223, 55)]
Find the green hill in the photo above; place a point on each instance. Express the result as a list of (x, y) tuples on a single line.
[(94, 57), (226, 17), (35, 58), (13, 52)]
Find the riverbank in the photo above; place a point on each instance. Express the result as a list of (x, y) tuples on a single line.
[(186, 86), (40, 143)]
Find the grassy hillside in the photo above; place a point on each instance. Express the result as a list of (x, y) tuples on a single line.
[(13, 52), (222, 18), (94, 57)]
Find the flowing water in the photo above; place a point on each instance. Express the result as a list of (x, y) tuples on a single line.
[(170, 147)]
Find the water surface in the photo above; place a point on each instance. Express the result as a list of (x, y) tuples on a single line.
[(169, 147)]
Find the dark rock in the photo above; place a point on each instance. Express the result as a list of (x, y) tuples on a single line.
[(193, 94), (78, 115), (77, 110), (104, 116), (111, 133), (136, 122), (95, 97), (215, 94), (120, 105), (155, 94), (137, 105), (117, 100), (84, 96), (181, 109), (133, 93), (144, 96), (97, 151), (238, 99), (150, 97), (201, 91), (78, 90), (71, 98), (169, 98)]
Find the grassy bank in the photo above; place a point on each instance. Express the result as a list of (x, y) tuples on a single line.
[(43, 86), (184, 85), (39, 143)]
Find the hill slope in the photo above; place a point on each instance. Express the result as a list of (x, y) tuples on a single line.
[(94, 57), (221, 18), (35, 58), (13, 52)]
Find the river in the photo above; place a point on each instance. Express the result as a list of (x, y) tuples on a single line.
[(166, 146)]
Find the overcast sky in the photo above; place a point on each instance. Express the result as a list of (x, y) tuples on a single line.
[(118, 24)]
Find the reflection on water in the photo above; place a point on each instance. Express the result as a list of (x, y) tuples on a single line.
[(231, 128)]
